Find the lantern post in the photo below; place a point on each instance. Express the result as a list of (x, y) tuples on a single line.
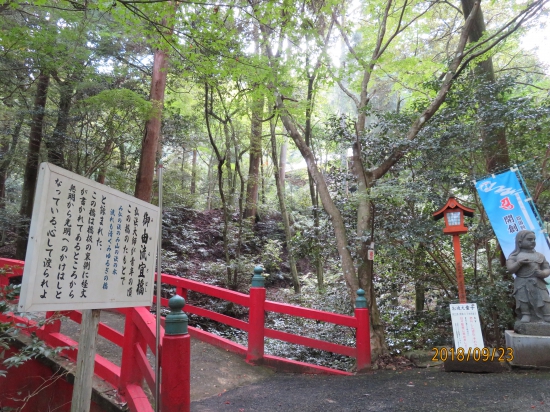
[(454, 213)]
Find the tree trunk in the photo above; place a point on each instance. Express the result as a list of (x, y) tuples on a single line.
[(476, 31), (282, 162), (209, 183), (312, 192), (346, 259), (221, 160), (56, 143), (262, 178), (495, 145), (238, 249), (182, 168), (103, 169), (122, 163), (101, 176), (151, 140), (545, 175), (419, 296), (419, 287), (7, 150), (31, 167), (194, 173), (279, 183), (231, 175), (250, 209), (256, 113)]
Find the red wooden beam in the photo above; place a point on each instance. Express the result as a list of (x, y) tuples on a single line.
[(312, 343), (176, 373), (228, 320), (311, 314), (256, 325), (362, 340), (136, 398), (221, 293), (292, 366), (217, 341), (145, 367), (146, 324)]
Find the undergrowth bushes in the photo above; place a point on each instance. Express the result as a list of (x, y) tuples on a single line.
[(407, 330), (194, 249)]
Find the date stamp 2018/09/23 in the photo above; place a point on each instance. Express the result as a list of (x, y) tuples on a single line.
[(475, 354)]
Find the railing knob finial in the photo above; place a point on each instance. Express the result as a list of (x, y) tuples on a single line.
[(258, 280), (176, 320), (361, 301)]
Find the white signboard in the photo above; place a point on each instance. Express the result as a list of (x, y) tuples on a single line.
[(90, 246), (466, 326)]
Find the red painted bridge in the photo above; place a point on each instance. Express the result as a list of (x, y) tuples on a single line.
[(135, 371)]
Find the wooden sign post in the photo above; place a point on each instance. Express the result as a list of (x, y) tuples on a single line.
[(82, 387)]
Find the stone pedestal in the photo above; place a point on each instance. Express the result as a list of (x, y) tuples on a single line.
[(529, 350), (422, 358), (471, 366), (532, 328)]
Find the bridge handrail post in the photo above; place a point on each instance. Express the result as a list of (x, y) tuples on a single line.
[(256, 318), (175, 360), (130, 372), (363, 357)]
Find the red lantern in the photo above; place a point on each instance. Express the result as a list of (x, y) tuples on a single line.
[(454, 214)]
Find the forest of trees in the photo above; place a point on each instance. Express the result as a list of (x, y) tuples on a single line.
[(383, 108)]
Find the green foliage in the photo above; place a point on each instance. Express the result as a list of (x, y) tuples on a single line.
[(307, 236), (413, 259), (216, 270), (36, 347), (334, 299), (408, 330), (271, 255), (496, 308), (90, 50)]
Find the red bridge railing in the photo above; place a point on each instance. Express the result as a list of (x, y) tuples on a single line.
[(257, 331), (139, 335)]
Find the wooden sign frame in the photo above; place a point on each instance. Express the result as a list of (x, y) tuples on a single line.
[(90, 246)]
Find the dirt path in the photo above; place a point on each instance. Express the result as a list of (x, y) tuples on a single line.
[(423, 390), (213, 371), (222, 381)]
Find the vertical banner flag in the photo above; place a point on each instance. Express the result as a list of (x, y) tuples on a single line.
[(509, 211)]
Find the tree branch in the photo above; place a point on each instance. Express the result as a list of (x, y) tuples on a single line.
[(497, 37), (427, 114), (362, 63), (344, 89), (544, 168), (399, 29)]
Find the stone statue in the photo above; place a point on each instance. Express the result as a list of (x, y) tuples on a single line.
[(531, 268)]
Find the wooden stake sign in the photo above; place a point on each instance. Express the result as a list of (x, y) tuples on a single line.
[(85, 360)]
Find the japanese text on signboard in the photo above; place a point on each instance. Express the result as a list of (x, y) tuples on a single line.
[(90, 246), (466, 326)]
